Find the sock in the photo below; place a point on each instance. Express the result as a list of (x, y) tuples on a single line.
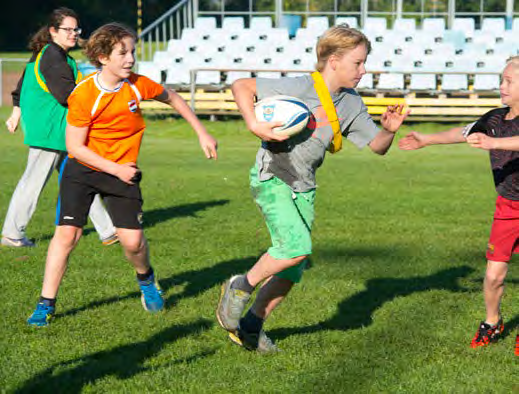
[(47, 301), (148, 276), (251, 323), (241, 283)]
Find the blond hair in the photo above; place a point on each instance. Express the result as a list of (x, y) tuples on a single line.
[(337, 40), (103, 40)]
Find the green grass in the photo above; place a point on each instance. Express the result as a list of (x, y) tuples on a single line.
[(390, 303)]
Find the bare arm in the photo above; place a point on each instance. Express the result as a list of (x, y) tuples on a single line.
[(483, 141), (14, 119), (76, 138), (207, 142), (414, 140), (244, 91), (391, 121)]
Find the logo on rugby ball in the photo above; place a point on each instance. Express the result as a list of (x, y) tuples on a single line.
[(268, 112)]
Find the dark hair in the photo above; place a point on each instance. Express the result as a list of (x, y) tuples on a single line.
[(103, 40), (42, 36)]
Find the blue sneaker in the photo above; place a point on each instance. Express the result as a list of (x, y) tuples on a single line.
[(41, 316), (151, 297)]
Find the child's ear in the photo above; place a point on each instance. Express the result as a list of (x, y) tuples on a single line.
[(102, 59), (53, 32)]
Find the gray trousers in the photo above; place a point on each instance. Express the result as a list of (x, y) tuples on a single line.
[(40, 165)]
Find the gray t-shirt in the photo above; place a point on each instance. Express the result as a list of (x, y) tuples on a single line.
[(296, 160)]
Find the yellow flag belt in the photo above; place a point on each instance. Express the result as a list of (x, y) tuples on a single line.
[(327, 103)]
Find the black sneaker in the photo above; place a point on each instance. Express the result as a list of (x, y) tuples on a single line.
[(487, 334)]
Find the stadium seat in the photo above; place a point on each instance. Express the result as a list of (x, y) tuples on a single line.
[(421, 82), (233, 24), (375, 24), (261, 23), (303, 35), (179, 74), (462, 64), (163, 59), (150, 70), (454, 37), (235, 75), (515, 25), (366, 82), (317, 24), (435, 25), (404, 25), (493, 26), (351, 21), (454, 82), (391, 81), (486, 82), (466, 25), (205, 23)]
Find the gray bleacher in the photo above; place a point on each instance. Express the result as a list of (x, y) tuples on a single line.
[(406, 57)]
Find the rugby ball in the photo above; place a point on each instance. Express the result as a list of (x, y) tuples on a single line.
[(291, 111)]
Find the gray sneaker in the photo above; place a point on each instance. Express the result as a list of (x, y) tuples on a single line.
[(253, 341), (231, 305), (17, 243)]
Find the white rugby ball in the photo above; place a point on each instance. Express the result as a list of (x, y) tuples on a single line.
[(291, 111)]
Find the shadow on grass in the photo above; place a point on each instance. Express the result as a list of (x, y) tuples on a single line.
[(196, 281), (159, 215), (357, 311), (123, 362)]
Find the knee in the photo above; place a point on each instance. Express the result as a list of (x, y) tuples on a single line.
[(135, 246), (494, 280), (67, 236)]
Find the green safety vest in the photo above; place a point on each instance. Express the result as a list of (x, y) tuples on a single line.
[(44, 119)]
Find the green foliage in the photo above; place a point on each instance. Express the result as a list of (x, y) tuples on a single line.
[(389, 304)]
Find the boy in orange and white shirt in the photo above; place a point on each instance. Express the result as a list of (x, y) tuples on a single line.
[(104, 134)]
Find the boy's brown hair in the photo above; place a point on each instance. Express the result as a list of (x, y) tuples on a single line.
[(336, 41), (103, 40)]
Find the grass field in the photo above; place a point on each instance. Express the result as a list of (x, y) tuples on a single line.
[(390, 303)]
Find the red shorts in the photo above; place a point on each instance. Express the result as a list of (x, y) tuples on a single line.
[(504, 236)]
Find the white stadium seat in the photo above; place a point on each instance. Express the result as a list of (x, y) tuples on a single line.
[(150, 70), (433, 25), (317, 23), (366, 82), (423, 82), (493, 25), (391, 81), (486, 82), (261, 23), (376, 24), (454, 82), (233, 24), (466, 25), (205, 23), (404, 25), (351, 21)]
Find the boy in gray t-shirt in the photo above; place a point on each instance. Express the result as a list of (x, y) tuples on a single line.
[(283, 179)]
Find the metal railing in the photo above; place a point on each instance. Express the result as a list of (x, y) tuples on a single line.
[(169, 26)]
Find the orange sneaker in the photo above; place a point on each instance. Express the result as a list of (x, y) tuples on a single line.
[(487, 334)]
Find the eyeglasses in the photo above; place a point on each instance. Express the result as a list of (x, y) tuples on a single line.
[(71, 30)]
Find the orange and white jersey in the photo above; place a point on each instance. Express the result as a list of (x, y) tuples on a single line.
[(113, 117)]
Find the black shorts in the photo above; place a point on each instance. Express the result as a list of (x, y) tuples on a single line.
[(79, 185)]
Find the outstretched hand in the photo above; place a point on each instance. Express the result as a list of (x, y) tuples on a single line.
[(209, 145), (393, 118), (412, 141)]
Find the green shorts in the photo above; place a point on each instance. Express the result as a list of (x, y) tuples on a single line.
[(289, 217)]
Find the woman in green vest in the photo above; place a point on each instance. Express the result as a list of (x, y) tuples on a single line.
[(40, 102)]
